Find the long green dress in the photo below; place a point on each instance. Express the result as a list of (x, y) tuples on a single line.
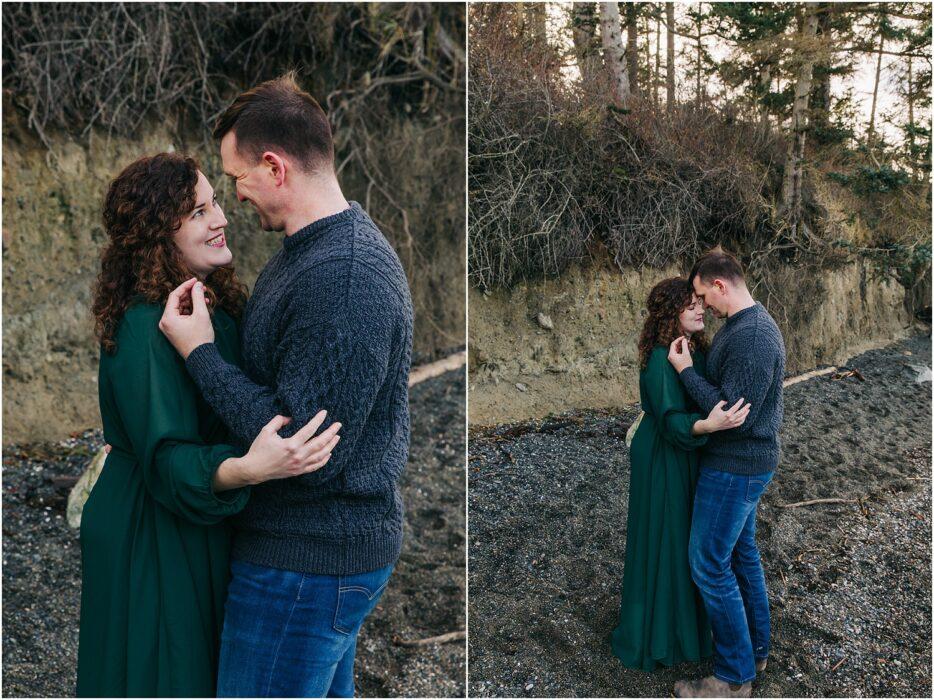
[(153, 545), (661, 618)]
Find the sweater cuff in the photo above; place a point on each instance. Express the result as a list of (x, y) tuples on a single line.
[(687, 375), (203, 361)]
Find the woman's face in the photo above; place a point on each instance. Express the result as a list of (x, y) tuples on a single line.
[(691, 317), (201, 238)]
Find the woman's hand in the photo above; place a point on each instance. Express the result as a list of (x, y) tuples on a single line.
[(722, 419), (274, 457)]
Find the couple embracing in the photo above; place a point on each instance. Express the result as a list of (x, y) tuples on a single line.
[(248, 515), (702, 455)]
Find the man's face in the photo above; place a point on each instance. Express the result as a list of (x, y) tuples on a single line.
[(712, 295), (255, 184)]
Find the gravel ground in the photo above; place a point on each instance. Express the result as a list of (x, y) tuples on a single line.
[(850, 584), (425, 598)]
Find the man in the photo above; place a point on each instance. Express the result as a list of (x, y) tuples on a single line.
[(746, 361), (329, 326)]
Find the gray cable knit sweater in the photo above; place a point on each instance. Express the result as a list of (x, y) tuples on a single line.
[(329, 326), (746, 360)]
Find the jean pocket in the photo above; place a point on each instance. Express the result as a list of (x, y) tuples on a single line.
[(356, 597), (755, 488)]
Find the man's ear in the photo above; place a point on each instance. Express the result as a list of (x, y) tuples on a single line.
[(276, 166)]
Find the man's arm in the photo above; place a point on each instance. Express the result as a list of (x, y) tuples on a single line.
[(705, 394), (745, 377), (333, 357)]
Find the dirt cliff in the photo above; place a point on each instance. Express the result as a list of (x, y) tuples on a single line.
[(52, 238), (520, 368)]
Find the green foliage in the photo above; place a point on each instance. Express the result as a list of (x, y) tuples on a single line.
[(872, 180)]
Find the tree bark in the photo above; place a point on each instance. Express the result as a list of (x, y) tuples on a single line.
[(794, 162), (820, 93), (632, 46), (700, 56), (614, 57), (670, 54), (765, 84), (584, 32), (658, 59), (536, 12), (911, 119), (875, 87)]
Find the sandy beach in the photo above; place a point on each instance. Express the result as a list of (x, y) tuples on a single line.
[(849, 583)]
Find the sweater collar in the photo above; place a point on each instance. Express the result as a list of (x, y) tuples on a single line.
[(313, 231), (749, 311)]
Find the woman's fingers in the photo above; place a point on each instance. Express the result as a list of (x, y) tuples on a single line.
[(310, 428), (324, 438), (740, 417), (276, 424), (315, 466), (318, 452)]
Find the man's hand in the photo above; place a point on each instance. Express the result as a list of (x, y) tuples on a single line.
[(679, 354), (186, 332)]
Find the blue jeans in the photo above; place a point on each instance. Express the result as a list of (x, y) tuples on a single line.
[(288, 634), (726, 567)]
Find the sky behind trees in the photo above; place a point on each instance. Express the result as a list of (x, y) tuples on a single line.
[(861, 81)]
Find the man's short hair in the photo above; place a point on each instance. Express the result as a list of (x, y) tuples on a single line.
[(279, 116), (717, 264)]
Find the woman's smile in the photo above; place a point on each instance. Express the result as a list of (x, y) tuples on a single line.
[(219, 241)]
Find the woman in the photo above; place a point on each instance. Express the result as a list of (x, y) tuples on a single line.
[(661, 617), (153, 542)]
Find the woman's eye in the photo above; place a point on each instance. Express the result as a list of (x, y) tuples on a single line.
[(198, 213)]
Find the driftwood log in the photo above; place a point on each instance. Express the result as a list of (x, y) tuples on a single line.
[(440, 639)]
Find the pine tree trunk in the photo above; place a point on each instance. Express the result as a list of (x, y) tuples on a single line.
[(584, 32), (794, 162), (765, 84), (614, 57), (875, 87), (670, 55), (911, 120), (632, 46), (820, 93), (700, 57), (536, 12), (520, 15), (658, 59)]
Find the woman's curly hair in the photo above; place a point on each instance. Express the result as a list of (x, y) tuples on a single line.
[(143, 209), (666, 301)]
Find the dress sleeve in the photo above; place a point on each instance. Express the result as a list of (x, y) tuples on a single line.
[(668, 403), (157, 404)]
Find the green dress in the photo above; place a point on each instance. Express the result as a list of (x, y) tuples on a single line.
[(154, 547), (661, 618)]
